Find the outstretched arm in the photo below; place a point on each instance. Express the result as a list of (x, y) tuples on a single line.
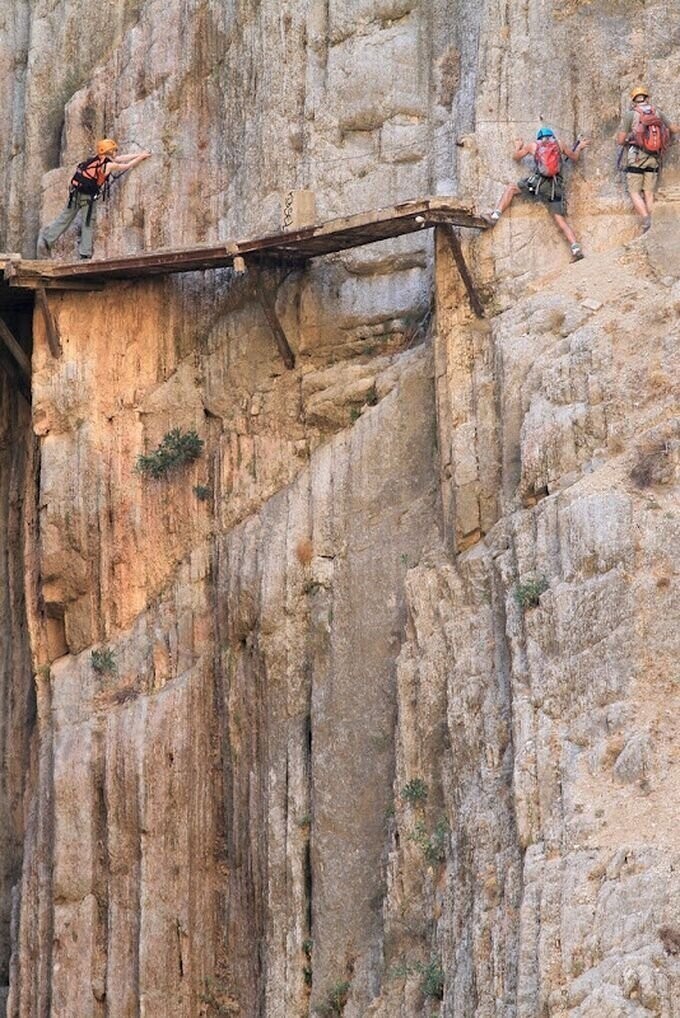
[(126, 157), (522, 150), (122, 166), (575, 153)]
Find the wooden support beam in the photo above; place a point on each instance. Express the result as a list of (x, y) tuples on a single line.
[(16, 350), (17, 379), (269, 307), (53, 337), (458, 257)]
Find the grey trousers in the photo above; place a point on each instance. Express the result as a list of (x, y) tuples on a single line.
[(80, 203)]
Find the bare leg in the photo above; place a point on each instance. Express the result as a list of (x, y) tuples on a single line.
[(565, 228), (639, 202), (649, 199), (510, 192)]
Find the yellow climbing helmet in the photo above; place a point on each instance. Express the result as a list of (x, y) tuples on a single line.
[(639, 90), (106, 147)]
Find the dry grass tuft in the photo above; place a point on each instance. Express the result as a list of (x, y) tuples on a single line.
[(449, 76), (670, 938), (654, 464), (304, 551)]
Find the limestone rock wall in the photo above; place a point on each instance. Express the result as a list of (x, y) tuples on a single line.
[(17, 745), (388, 723)]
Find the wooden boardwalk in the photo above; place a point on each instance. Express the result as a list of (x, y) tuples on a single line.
[(286, 249), (292, 247)]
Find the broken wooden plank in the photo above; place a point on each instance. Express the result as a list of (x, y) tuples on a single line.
[(459, 258), (51, 329), (269, 307), (16, 350)]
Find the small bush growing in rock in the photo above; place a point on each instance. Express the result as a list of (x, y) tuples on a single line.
[(335, 1001), (432, 984), (527, 594), (202, 492), (103, 661), (433, 846), (415, 791), (177, 448)]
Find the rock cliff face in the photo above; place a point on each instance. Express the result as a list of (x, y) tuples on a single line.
[(381, 715)]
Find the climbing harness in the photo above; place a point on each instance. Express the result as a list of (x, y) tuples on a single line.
[(90, 181)]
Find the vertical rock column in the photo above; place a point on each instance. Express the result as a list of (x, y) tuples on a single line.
[(466, 411), (17, 700)]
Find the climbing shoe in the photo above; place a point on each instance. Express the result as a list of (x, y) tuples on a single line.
[(576, 253), (491, 217), (646, 223), (42, 248)]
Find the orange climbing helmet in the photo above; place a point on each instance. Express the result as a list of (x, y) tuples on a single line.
[(639, 90), (106, 147)]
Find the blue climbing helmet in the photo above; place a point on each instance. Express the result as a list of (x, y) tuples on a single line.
[(544, 132)]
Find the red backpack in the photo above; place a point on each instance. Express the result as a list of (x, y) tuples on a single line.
[(548, 157), (649, 133)]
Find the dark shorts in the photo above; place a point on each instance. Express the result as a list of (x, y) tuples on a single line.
[(546, 190)]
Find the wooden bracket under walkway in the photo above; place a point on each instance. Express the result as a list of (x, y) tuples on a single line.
[(16, 351), (457, 252), (288, 249), (51, 327), (267, 297)]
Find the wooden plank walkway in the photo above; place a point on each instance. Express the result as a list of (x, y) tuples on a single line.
[(291, 247)]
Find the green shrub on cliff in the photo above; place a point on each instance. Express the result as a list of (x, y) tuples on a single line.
[(335, 1001), (103, 661), (527, 594), (177, 448), (415, 791)]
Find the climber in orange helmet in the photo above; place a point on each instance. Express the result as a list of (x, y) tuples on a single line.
[(90, 181), (646, 134)]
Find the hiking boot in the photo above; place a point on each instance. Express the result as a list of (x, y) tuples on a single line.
[(646, 223), (42, 248), (576, 253)]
